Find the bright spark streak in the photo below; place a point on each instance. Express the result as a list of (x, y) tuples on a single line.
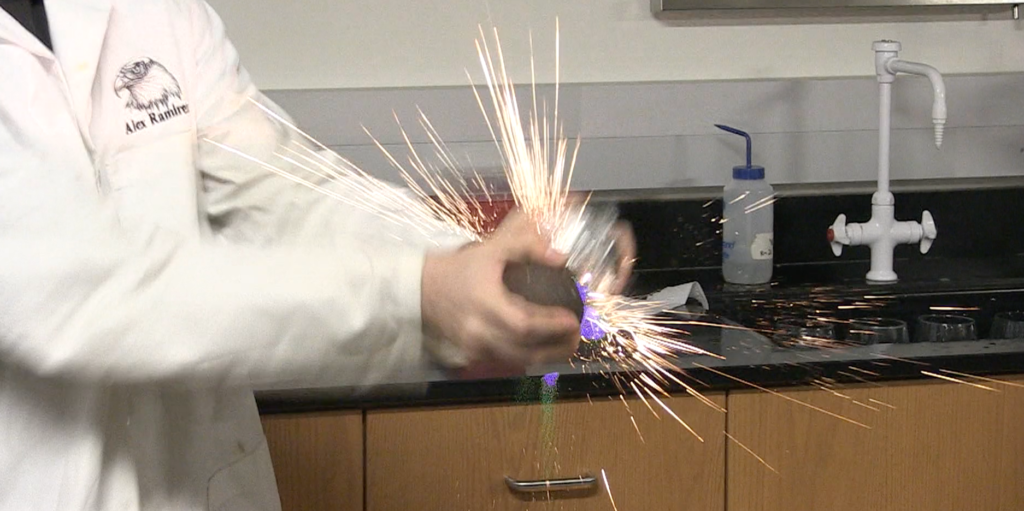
[(898, 359), (877, 402), (642, 398), (983, 378), (749, 451), (953, 309), (737, 199), (693, 392), (833, 392), (767, 201), (646, 378), (858, 378), (624, 402), (609, 490), (637, 428), (865, 371), (957, 380), (674, 416), (865, 405)]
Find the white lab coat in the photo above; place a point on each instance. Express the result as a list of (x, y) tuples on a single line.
[(148, 281)]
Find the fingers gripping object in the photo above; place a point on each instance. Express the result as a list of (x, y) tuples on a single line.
[(585, 234), (544, 285)]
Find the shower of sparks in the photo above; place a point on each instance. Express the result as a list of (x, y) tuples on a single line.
[(307, 162), (448, 194), (539, 175), (538, 164), (783, 396), (749, 451), (641, 342), (536, 169), (957, 380), (608, 489)]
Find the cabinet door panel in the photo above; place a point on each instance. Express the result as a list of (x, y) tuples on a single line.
[(934, 446), (318, 460), (458, 458)]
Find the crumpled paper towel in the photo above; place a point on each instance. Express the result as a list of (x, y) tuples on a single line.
[(677, 296)]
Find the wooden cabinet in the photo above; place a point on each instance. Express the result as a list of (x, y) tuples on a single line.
[(318, 460), (934, 446), (923, 445), (458, 458)]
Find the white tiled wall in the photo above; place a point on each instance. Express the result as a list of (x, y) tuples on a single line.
[(658, 135)]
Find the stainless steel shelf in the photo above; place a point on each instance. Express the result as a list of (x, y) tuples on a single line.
[(664, 7)]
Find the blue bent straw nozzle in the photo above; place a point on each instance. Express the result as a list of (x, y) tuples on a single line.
[(740, 133)]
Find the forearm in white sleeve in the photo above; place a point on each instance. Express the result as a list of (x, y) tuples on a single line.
[(80, 301), (246, 203)]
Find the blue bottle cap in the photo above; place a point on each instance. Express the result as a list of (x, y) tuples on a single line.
[(751, 173)]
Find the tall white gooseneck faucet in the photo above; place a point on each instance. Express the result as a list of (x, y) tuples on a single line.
[(882, 232)]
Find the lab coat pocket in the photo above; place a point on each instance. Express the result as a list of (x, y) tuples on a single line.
[(154, 184), (245, 485)]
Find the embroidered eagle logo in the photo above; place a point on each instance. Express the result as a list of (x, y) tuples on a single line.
[(148, 83)]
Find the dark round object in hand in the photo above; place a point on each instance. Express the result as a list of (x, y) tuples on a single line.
[(544, 285)]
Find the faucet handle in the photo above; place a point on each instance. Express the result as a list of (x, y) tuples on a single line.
[(837, 236), (928, 231)]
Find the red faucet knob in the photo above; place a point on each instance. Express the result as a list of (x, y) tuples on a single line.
[(837, 236)]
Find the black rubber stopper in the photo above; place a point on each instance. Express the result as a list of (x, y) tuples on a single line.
[(544, 285)]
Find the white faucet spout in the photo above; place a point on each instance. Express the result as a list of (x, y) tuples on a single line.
[(882, 232), (938, 90)]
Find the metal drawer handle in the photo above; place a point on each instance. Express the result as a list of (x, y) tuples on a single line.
[(584, 482)]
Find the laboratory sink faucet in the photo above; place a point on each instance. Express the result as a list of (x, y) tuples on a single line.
[(882, 232)]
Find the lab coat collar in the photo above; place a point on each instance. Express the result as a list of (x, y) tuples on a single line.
[(12, 32)]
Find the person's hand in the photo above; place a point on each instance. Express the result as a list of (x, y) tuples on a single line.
[(625, 243), (465, 301)]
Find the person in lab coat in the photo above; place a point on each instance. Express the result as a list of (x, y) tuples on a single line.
[(149, 281)]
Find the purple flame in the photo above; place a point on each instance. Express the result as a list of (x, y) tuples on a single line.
[(589, 328)]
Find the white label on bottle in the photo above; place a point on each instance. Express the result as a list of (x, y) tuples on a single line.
[(761, 248)]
